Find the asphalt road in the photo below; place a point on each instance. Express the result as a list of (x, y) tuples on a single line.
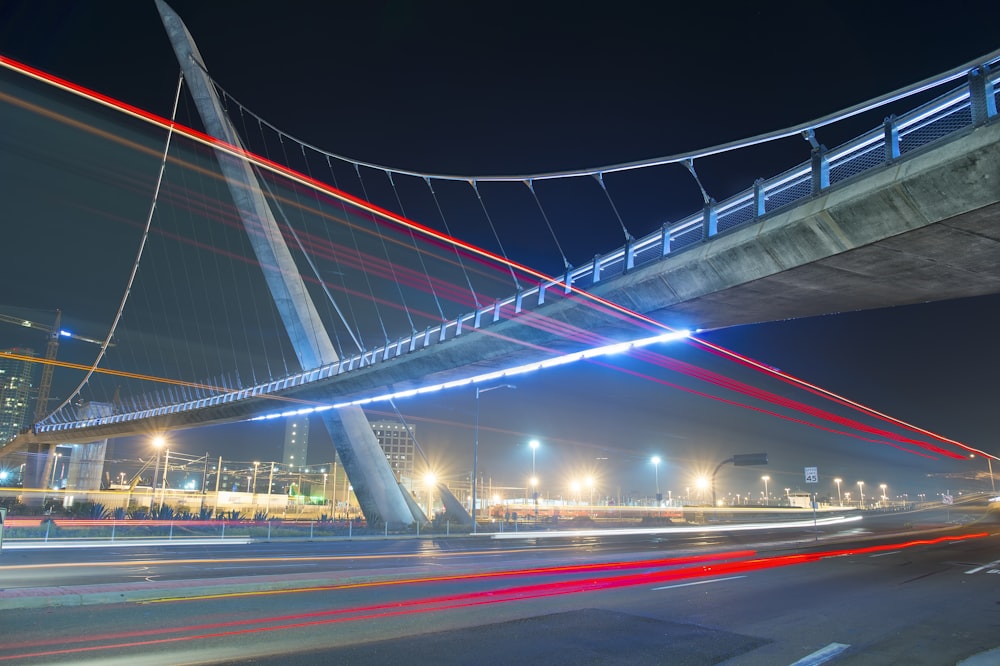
[(865, 595)]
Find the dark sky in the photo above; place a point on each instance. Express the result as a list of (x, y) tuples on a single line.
[(487, 88)]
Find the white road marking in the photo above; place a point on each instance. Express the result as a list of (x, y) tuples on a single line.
[(822, 656), (891, 552), (698, 582), (985, 566)]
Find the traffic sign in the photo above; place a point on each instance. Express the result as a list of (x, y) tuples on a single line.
[(812, 476)]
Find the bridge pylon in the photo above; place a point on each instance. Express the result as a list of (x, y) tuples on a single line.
[(374, 483)]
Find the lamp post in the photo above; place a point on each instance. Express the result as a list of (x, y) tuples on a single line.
[(840, 500), (885, 499), (429, 481), (534, 479), (475, 450), (861, 489), (270, 484), (656, 477), (989, 462), (55, 464), (534, 494), (158, 444), (256, 465), (765, 479)]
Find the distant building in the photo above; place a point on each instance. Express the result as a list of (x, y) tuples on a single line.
[(296, 441), (16, 391), (399, 446)]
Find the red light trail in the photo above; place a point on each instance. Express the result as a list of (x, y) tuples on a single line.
[(480, 254), (657, 571)]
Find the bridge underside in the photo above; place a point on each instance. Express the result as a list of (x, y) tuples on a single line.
[(922, 229)]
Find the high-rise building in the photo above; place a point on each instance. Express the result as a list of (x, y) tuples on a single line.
[(398, 445), (16, 389), (296, 441)]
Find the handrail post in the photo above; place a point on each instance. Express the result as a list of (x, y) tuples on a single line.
[(709, 220), (981, 98), (820, 169), (891, 138)]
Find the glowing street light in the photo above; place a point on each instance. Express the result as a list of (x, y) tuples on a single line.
[(765, 479), (158, 443), (534, 447), (55, 464), (840, 499), (656, 476), (534, 493), (989, 462), (883, 486), (475, 451), (429, 481), (861, 489)]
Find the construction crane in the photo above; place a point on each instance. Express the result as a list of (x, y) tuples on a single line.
[(54, 333)]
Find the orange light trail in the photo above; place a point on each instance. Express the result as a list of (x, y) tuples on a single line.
[(312, 183), (700, 568)]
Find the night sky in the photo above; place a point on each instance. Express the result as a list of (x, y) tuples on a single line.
[(490, 88)]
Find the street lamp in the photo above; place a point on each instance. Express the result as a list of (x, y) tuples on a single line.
[(656, 477), (861, 489), (429, 481), (989, 462), (475, 450), (765, 479), (55, 464), (534, 447), (534, 494), (840, 500), (883, 486), (158, 442)]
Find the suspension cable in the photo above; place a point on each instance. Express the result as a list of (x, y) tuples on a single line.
[(531, 186), (600, 179), (503, 252), (458, 255), (138, 256), (417, 251)]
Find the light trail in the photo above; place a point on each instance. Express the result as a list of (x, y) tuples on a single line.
[(724, 568), (314, 184)]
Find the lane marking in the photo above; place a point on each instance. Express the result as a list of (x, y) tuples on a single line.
[(823, 655), (985, 566), (697, 582), (891, 552)]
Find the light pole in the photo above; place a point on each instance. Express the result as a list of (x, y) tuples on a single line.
[(429, 481), (656, 477), (882, 487), (158, 444), (55, 464), (765, 479), (534, 479), (475, 451), (590, 482), (256, 465), (840, 500), (534, 494), (861, 489), (989, 462)]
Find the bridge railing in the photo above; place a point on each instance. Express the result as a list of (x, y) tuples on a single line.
[(960, 110)]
